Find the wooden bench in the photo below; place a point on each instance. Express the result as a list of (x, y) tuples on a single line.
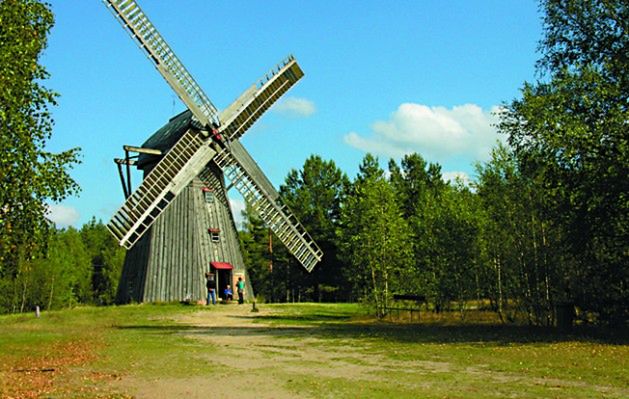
[(406, 302)]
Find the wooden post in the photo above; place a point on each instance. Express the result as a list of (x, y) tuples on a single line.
[(124, 186), (126, 158)]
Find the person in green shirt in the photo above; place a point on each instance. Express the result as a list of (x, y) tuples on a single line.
[(240, 287)]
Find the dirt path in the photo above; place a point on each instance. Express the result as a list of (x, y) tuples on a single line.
[(246, 359), (257, 360), (249, 358)]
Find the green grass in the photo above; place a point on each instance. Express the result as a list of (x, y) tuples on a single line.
[(90, 348)]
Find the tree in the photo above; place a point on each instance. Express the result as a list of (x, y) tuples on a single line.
[(569, 134), (454, 262), (29, 175), (419, 187), (414, 180), (520, 244), (315, 194), (107, 258), (375, 236), (587, 34), (254, 240)]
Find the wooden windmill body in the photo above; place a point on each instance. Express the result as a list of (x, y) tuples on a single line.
[(178, 224), (194, 235)]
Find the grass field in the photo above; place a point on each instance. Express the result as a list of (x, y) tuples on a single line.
[(304, 350)]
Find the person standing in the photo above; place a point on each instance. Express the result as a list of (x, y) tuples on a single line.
[(240, 286), (211, 288)]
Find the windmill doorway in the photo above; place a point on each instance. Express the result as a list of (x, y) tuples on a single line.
[(223, 273)]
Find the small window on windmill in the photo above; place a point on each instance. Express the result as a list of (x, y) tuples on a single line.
[(215, 234), (208, 194)]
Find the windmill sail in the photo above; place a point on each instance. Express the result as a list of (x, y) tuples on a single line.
[(238, 117), (188, 156), (178, 167), (244, 174), (191, 152), (137, 24)]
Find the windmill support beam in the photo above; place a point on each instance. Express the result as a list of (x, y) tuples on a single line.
[(141, 150), (126, 157), (119, 162), (128, 162), (126, 185), (125, 161)]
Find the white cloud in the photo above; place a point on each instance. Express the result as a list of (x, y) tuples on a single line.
[(237, 206), (437, 133), (452, 176), (62, 216), (295, 106)]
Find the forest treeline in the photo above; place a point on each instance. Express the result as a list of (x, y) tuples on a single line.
[(543, 224), (75, 267)]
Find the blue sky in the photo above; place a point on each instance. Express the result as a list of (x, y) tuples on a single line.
[(388, 77)]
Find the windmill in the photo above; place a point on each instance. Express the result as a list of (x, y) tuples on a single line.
[(177, 224)]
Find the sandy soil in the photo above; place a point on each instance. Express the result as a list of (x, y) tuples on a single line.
[(251, 359), (259, 360)]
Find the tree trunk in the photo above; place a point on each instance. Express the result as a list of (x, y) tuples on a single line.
[(23, 301), (52, 288), (498, 266), (550, 316), (375, 291)]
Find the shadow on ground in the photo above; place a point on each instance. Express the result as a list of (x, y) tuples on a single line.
[(341, 327)]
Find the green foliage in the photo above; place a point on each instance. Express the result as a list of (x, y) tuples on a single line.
[(65, 273), (106, 260), (78, 267), (29, 175), (315, 194), (254, 240), (418, 187), (374, 236), (413, 233), (587, 34), (40, 266), (521, 245), (569, 135)]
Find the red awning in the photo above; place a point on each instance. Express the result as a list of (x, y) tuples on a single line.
[(221, 265)]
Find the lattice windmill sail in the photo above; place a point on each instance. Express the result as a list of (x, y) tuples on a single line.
[(200, 148)]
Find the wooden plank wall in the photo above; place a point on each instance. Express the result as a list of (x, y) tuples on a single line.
[(169, 262), (220, 215)]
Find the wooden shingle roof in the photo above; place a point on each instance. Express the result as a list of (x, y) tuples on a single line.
[(164, 138)]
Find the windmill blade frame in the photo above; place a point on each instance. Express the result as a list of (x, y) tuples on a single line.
[(247, 177), (174, 171), (142, 31), (242, 113), (214, 137)]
